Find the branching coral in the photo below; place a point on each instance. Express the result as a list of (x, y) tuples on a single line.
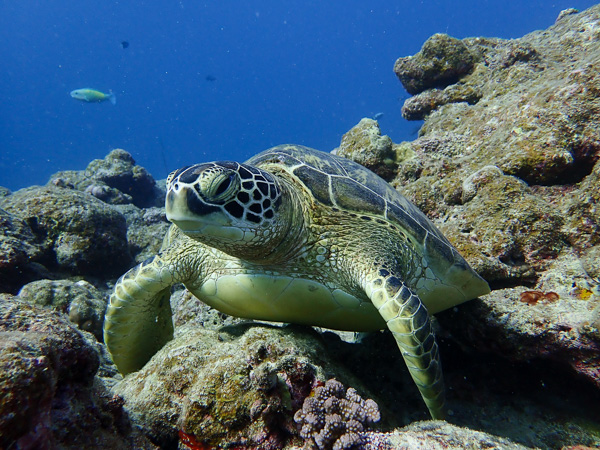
[(334, 419)]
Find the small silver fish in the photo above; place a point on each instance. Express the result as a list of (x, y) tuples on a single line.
[(377, 116), (92, 95)]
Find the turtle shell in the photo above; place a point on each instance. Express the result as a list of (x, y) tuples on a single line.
[(341, 183), (346, 185)]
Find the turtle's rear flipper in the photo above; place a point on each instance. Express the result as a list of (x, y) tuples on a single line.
[(409, 322), (138, 318)]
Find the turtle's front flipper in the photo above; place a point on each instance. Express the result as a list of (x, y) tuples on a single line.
[(138, 318), (409, 322)]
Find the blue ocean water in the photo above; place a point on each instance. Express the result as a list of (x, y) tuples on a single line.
[(215, 80)]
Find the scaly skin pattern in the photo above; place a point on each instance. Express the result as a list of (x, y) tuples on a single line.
[(382, 282), (408, 320), (138, 317), (137, 311), (301, 237)]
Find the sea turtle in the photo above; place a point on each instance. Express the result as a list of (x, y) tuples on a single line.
[(300, 236)]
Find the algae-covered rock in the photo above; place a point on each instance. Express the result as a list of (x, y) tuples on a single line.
[(419, 106), (442, 61), (19, 250), (17, 242), (524, 324), (241, 385), (436, 435), (581, 208), (78, 233), (119, 171), (233, 386), (365, 145), (440, 435), (512, 178), (116, 179), (505, 219), (48, 396), (590, 260), (81, 302), (146, 229)]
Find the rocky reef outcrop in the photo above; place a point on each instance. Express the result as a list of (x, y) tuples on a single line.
[(506, 165), (511, 176), (49, 395), (75, 232), (68, 228), (116, 179)]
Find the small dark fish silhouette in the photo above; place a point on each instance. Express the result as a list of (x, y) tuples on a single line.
[(124, 44), (210, 78)]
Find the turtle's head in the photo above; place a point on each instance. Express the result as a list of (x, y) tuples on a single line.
[(233, 207)]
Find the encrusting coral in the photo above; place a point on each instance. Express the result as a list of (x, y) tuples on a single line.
[(336, 419)]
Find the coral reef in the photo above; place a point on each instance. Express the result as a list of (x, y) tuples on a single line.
[(48, 395), (334, 418), (240, 385), (506, 164)]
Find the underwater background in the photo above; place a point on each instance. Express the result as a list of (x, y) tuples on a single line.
[(197, 81)]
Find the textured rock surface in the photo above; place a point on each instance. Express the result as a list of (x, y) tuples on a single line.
[(190, 386), (443, 60), (116, 179), (512, 179), (238, 385), (18, 250), (365, 145), (146, 229), (506, 164), (566, 331), (419, 106), (17, 242), (442, 435), (48, 395), (119, 171), (537, 124), (436, 436), (62, 228), (80, 301), (77, 232)]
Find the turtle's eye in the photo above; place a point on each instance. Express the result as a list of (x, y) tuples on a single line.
[(223, 187)]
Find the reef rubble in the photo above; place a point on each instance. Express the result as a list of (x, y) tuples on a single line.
[(506, 164)]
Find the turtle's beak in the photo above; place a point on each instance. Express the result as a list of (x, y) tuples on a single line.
[(188, 211), (198, 220)]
